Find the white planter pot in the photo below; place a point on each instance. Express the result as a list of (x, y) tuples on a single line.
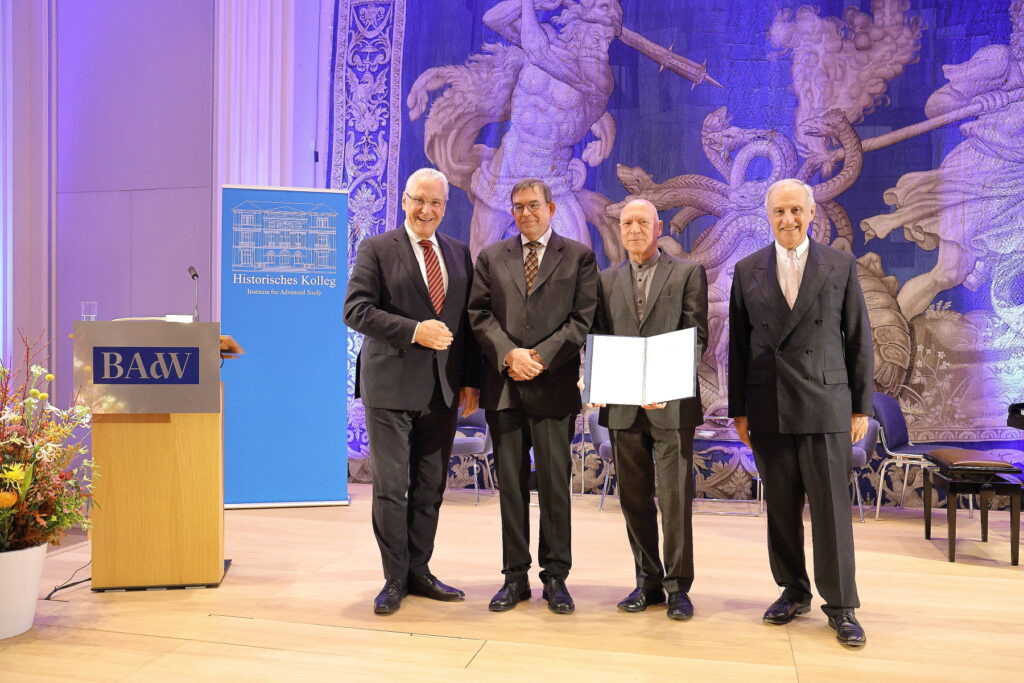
[(20, 573)]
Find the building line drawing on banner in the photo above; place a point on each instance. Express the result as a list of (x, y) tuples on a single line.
[(279, 237)]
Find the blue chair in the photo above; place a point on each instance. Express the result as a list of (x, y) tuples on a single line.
[(862, 451), (602, 441), (478, 448), (896, 445)]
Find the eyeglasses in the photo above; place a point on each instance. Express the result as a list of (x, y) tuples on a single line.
[(532, 207), (420, 202)]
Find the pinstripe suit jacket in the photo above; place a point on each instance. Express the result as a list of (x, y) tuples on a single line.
[(805, 370)]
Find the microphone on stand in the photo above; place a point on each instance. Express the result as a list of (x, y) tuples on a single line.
[(195, 278)]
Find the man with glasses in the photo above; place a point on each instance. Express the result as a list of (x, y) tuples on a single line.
[(407, 294), (531, 307)]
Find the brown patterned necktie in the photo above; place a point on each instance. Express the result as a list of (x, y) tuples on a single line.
[(532, 264), (435, 283)]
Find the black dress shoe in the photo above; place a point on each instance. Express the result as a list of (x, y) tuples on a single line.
[(783, 610), (510, 594), (428, 586), (390, 598), (557, 595), (639, 599), (679, 606), (849, 632)]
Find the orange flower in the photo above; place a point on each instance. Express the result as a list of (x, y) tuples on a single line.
[(7, 499)]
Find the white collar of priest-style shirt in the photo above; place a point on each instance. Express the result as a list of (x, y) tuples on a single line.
[(782, 260), (543, 239), (418, 251)]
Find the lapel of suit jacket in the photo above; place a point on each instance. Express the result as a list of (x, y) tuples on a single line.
[(408, 259), (661, 273), (815, 273), (624, 291), (456, 277), (767, 278), (514, 262), (552, 257)]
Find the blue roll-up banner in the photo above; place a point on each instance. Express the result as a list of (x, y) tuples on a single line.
[(284, 267)]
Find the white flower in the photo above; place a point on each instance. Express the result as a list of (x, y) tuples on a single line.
[(37, 370)]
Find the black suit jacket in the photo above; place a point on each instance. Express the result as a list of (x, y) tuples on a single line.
[(678, 299), (805, 370), (554, 320), (386, 298)]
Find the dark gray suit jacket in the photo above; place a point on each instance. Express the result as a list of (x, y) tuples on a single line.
[(554, 320), (805, 370), (678, 299), (385, 299)]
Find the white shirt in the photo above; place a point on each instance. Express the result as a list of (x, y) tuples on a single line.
[(418, 251), (782, 261), (543, 239)]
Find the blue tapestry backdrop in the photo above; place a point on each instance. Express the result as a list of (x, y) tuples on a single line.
[(904, 115)]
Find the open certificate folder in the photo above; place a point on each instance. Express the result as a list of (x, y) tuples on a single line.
[(640, 370)]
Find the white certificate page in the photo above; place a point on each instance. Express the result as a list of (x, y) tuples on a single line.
[(616, 370), (671, 366)]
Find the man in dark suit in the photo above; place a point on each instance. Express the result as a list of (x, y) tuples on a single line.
[(531, 307), (407, 294), (800, 383), (654, 293)]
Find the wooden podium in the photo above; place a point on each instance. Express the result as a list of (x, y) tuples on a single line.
[(158, 518)]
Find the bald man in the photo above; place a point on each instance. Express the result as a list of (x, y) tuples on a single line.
[(654, 293)]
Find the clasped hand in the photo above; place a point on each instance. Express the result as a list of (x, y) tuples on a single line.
[(433, 334), (523, 364)]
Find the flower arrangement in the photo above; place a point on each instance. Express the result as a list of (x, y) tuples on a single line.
[(42, 493)]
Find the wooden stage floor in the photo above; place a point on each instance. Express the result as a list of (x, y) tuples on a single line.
[(296, 606)]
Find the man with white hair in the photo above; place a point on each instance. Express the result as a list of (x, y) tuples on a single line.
[(407, 293), (800, 385)]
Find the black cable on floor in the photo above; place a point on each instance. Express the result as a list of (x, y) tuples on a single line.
[(68, 584)]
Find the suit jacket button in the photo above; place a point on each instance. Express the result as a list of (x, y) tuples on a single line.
[(809, 351), (778, 352), (818, 321)]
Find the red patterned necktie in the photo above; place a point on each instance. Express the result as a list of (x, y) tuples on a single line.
[(435, 283), (531, 265)]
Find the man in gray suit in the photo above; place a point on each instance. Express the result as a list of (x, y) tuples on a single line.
[(654, 293), (800, 383), (531, 307), (407, 293)]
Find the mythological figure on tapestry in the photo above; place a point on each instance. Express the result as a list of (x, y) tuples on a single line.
[(841, 69), (552, 85), (971, 208)]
